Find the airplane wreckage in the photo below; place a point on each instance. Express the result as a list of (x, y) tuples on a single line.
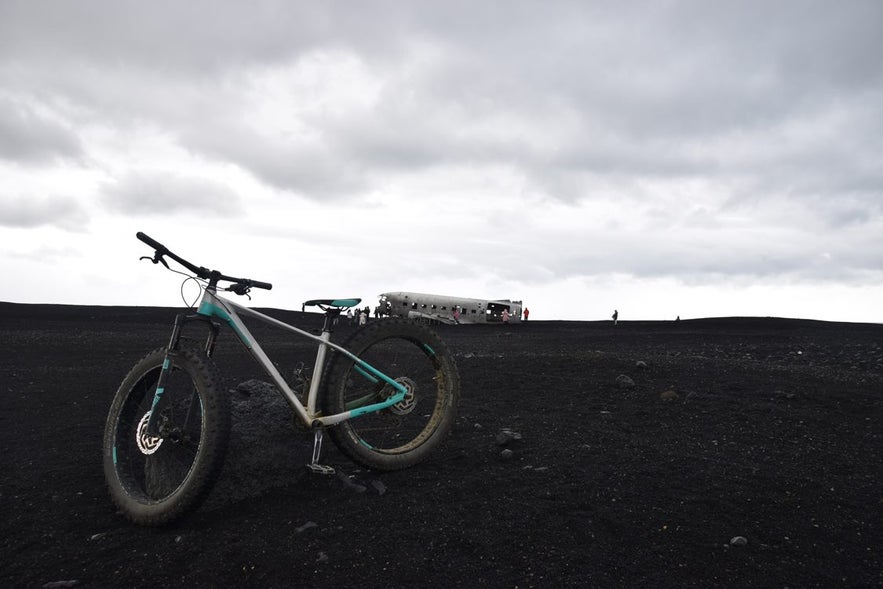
[(445, 309)]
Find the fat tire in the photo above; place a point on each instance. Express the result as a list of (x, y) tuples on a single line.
[(132, 476), (438, 393)]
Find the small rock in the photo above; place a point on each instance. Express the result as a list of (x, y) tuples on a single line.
[(507, 435), (739, 541), (98, 536), (669, 396), (379, 487), (507, 454), (624, 382), (306, 527), (640, 364), (349, 484), (323, 557)]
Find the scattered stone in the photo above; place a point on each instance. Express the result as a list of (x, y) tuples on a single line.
[(323, 557), (739, 541), (624, 382), (379, 487), (349, 484), (306, 527), (507, 454), (669, 395), (507, 435), (640, 364), (98, 536)]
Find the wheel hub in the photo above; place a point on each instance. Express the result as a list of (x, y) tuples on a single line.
[(147, 444)]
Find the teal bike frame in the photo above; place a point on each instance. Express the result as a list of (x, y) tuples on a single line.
[(214, 307)]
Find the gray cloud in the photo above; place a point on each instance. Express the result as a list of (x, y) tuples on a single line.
[(166, 193), (35, 211), (30, 136), (640, 90), (304, 166), (775, 111)]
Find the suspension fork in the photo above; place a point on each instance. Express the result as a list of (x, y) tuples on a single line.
[(171, 351)]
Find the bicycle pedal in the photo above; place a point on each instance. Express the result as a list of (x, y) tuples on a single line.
[(321, 468)]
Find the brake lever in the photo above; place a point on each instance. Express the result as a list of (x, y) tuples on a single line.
[(156, 259)]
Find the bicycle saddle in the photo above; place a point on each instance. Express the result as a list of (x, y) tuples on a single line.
[(341, 303)]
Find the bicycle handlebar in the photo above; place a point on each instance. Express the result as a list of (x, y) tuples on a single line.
[(151, 242), (213, 276)]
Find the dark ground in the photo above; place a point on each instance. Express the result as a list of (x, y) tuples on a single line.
[(775, 435)]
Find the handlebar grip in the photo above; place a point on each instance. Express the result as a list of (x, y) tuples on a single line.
[(151, 242), (259, 284)]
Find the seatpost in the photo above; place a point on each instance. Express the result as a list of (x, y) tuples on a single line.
[(331, 316)]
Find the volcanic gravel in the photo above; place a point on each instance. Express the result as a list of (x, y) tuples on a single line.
[(737, 452)]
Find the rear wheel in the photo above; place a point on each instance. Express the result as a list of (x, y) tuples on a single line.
[(157, 479), (405, 433)]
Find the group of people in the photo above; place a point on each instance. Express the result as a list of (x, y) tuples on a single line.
[(360, 317), (505, 315)]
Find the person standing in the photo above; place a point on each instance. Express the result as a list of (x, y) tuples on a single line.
[(526, 313), (615, 316), (505, 315)]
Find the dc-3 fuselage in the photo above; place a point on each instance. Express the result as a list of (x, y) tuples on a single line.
[(448, 309)]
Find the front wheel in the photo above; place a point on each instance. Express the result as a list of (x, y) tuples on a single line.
[(405, 433), (154, 480)]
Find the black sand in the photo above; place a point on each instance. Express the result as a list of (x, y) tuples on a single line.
[(772, 433)]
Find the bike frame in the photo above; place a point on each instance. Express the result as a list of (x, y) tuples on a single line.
[(212, 306)]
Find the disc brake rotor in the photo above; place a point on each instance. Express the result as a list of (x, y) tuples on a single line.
[(147, 444), (406, 405)]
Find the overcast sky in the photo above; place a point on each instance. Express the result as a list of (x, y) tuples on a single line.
[(663, 158)]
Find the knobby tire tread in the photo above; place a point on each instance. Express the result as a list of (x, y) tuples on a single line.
[(212, 448), (332, 400)]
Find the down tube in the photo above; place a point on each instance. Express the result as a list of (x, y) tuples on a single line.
[(214, 308), (365, 369)]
